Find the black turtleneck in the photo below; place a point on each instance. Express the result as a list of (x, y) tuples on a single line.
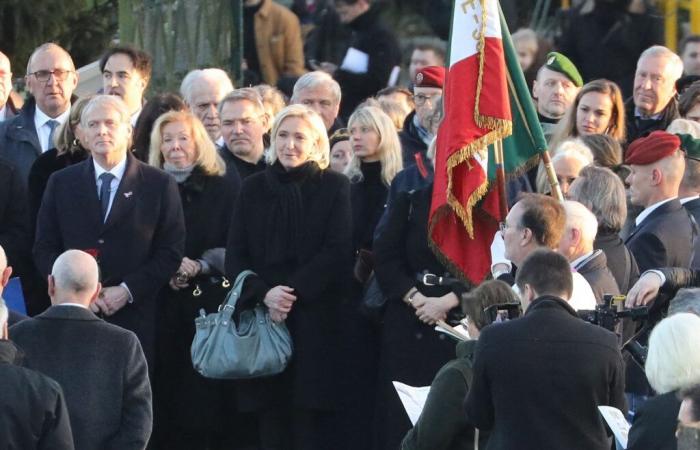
[(368, 199), (545, 119), (250, 51)]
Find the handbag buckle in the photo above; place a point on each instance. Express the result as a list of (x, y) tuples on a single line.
[(223, 307), (430, 279), (197, 291), (225, 283)]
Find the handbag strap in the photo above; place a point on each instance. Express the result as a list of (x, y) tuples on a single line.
[(229, 305)]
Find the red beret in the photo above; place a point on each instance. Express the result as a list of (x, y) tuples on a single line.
[(431, 76), (652, 148)]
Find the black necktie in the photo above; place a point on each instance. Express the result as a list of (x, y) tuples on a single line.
[(106, 179)]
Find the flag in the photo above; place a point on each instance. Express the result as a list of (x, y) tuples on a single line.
[(463, 219)]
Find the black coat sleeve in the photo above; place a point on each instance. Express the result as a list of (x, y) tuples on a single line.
[(313, 277), (167, 247), (648, 251), (14, 224), (393, 273), (678, 277), (56, 432), (48, 244)]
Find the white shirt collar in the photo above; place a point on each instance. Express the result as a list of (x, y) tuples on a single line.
[(135, 117), (3, 112), (40, 118), (650, 209), (580, 259), (72, 304), (685, 200), (117, 171), (638, 113), (220, 142)]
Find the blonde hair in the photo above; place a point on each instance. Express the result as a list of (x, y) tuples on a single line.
[(65, 140), (396, 111), (389, 147), (673, 361), (321, 155), (207, 156)]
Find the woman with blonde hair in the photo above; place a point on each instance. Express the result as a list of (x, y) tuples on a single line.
[(192, 410), (291, 226), (598, 108)]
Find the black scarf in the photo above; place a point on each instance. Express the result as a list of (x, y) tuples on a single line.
[(285, 221)]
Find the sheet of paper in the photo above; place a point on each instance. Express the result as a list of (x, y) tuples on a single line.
[(617, 423), (413, 399), (355, 61), (462, 332)]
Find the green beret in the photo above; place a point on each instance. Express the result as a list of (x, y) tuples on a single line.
[(559, 63), (690, 146)]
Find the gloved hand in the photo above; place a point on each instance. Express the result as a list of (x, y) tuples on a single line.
[(498, 255)]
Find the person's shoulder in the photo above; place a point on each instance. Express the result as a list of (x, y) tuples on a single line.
[(39, 383), (332, 178), (109, 331), (282, 12)]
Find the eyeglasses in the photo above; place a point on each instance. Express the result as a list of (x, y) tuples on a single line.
[(420, 99), (58, 74)]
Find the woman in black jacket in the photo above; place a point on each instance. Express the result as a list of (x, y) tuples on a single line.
[(291, 226), (192, 412)]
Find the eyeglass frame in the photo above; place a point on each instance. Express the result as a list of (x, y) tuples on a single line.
[(58, 74), (425, 99)]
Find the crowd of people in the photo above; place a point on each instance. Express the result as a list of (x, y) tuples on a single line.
[(123, 217)]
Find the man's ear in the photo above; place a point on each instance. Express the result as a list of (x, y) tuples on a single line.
[(575, 236), (95, 294), (5, 277), (52, 286), (534, 89), (656, 176)]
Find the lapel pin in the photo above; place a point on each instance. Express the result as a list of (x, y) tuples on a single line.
[(128, 194)]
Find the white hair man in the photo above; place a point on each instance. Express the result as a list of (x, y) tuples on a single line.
[(576, 245), (7, 109), (105, 377), (51, 79), (653, 105), (320, 92), (123, 211), (202, 90)]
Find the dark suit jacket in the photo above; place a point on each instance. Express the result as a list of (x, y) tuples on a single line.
[(620, 260), (655, 423), (102, 371), (693, 207), (664, 238), (14, 222), (34, 414), (539, 380), (595, 271), (19, 143), (141, 244)]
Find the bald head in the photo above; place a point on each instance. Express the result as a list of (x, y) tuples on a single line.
[(652, 183), (74, 278)]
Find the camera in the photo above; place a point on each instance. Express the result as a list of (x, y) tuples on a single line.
[(611, 311)]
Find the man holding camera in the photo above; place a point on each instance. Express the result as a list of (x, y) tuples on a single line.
[(538, 380)]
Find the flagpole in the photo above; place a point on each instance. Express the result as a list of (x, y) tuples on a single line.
[(501, 179), (551, 175)]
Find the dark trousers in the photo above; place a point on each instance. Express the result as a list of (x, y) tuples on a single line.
[(297, 429)]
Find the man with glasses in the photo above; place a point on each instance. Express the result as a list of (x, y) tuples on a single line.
[(416, 135), (51, 79)]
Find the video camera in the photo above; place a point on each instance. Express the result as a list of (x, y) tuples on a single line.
[(611, 311)]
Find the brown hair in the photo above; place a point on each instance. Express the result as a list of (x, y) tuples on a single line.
[(545, 217), (689, 98), (488, 293), (547, 272)]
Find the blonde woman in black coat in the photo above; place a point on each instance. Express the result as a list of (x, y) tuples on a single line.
[(291, 226)]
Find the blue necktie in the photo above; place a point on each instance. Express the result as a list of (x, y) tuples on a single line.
[(106, 179), (53, 124)]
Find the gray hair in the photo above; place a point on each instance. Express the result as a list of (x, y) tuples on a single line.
[(75, 271), (196, 76), (675, 62), (314, 79), (686, 301), (602, 192), (106, 101), (574, 148), (4, 314), (673, 361), (249, 94), (581, 218), (684, 126)]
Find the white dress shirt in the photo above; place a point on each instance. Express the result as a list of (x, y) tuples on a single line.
[(3, 112), (685, 200), (135, 117), (43, 129), (72, 304), (118, 172), (650, 209)]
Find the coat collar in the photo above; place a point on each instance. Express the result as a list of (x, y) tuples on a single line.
[(596, 261), (265, 7), (660, 211), (21, 127), (9, 353), (67, 312), (545, 302)]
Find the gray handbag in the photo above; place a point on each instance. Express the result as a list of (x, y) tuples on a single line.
[(256, 347)]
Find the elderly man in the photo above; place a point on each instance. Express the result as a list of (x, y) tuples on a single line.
[(544, 375), (7, 108), (535, 221), (320, 92), (100, 366), (554, 90), (576, 245), (426, 52), (125, 213), (663, 233), (416, 135), (34, 413), (125, 73), (653, 105), (243, 125), (51, 79), (689, 50), (202, 90)]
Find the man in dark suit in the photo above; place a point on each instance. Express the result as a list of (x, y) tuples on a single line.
[(51, 79), (538, 380), (576, 245), (125, 213), (14, 223), (664, 233), (34, 414), (100, 366), (689, 191)]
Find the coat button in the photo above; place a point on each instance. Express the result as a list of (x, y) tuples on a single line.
[(100, 241)]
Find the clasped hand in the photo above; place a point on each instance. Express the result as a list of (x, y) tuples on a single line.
[(279, 300), (189, 269), (432, 309), (110, 300)]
